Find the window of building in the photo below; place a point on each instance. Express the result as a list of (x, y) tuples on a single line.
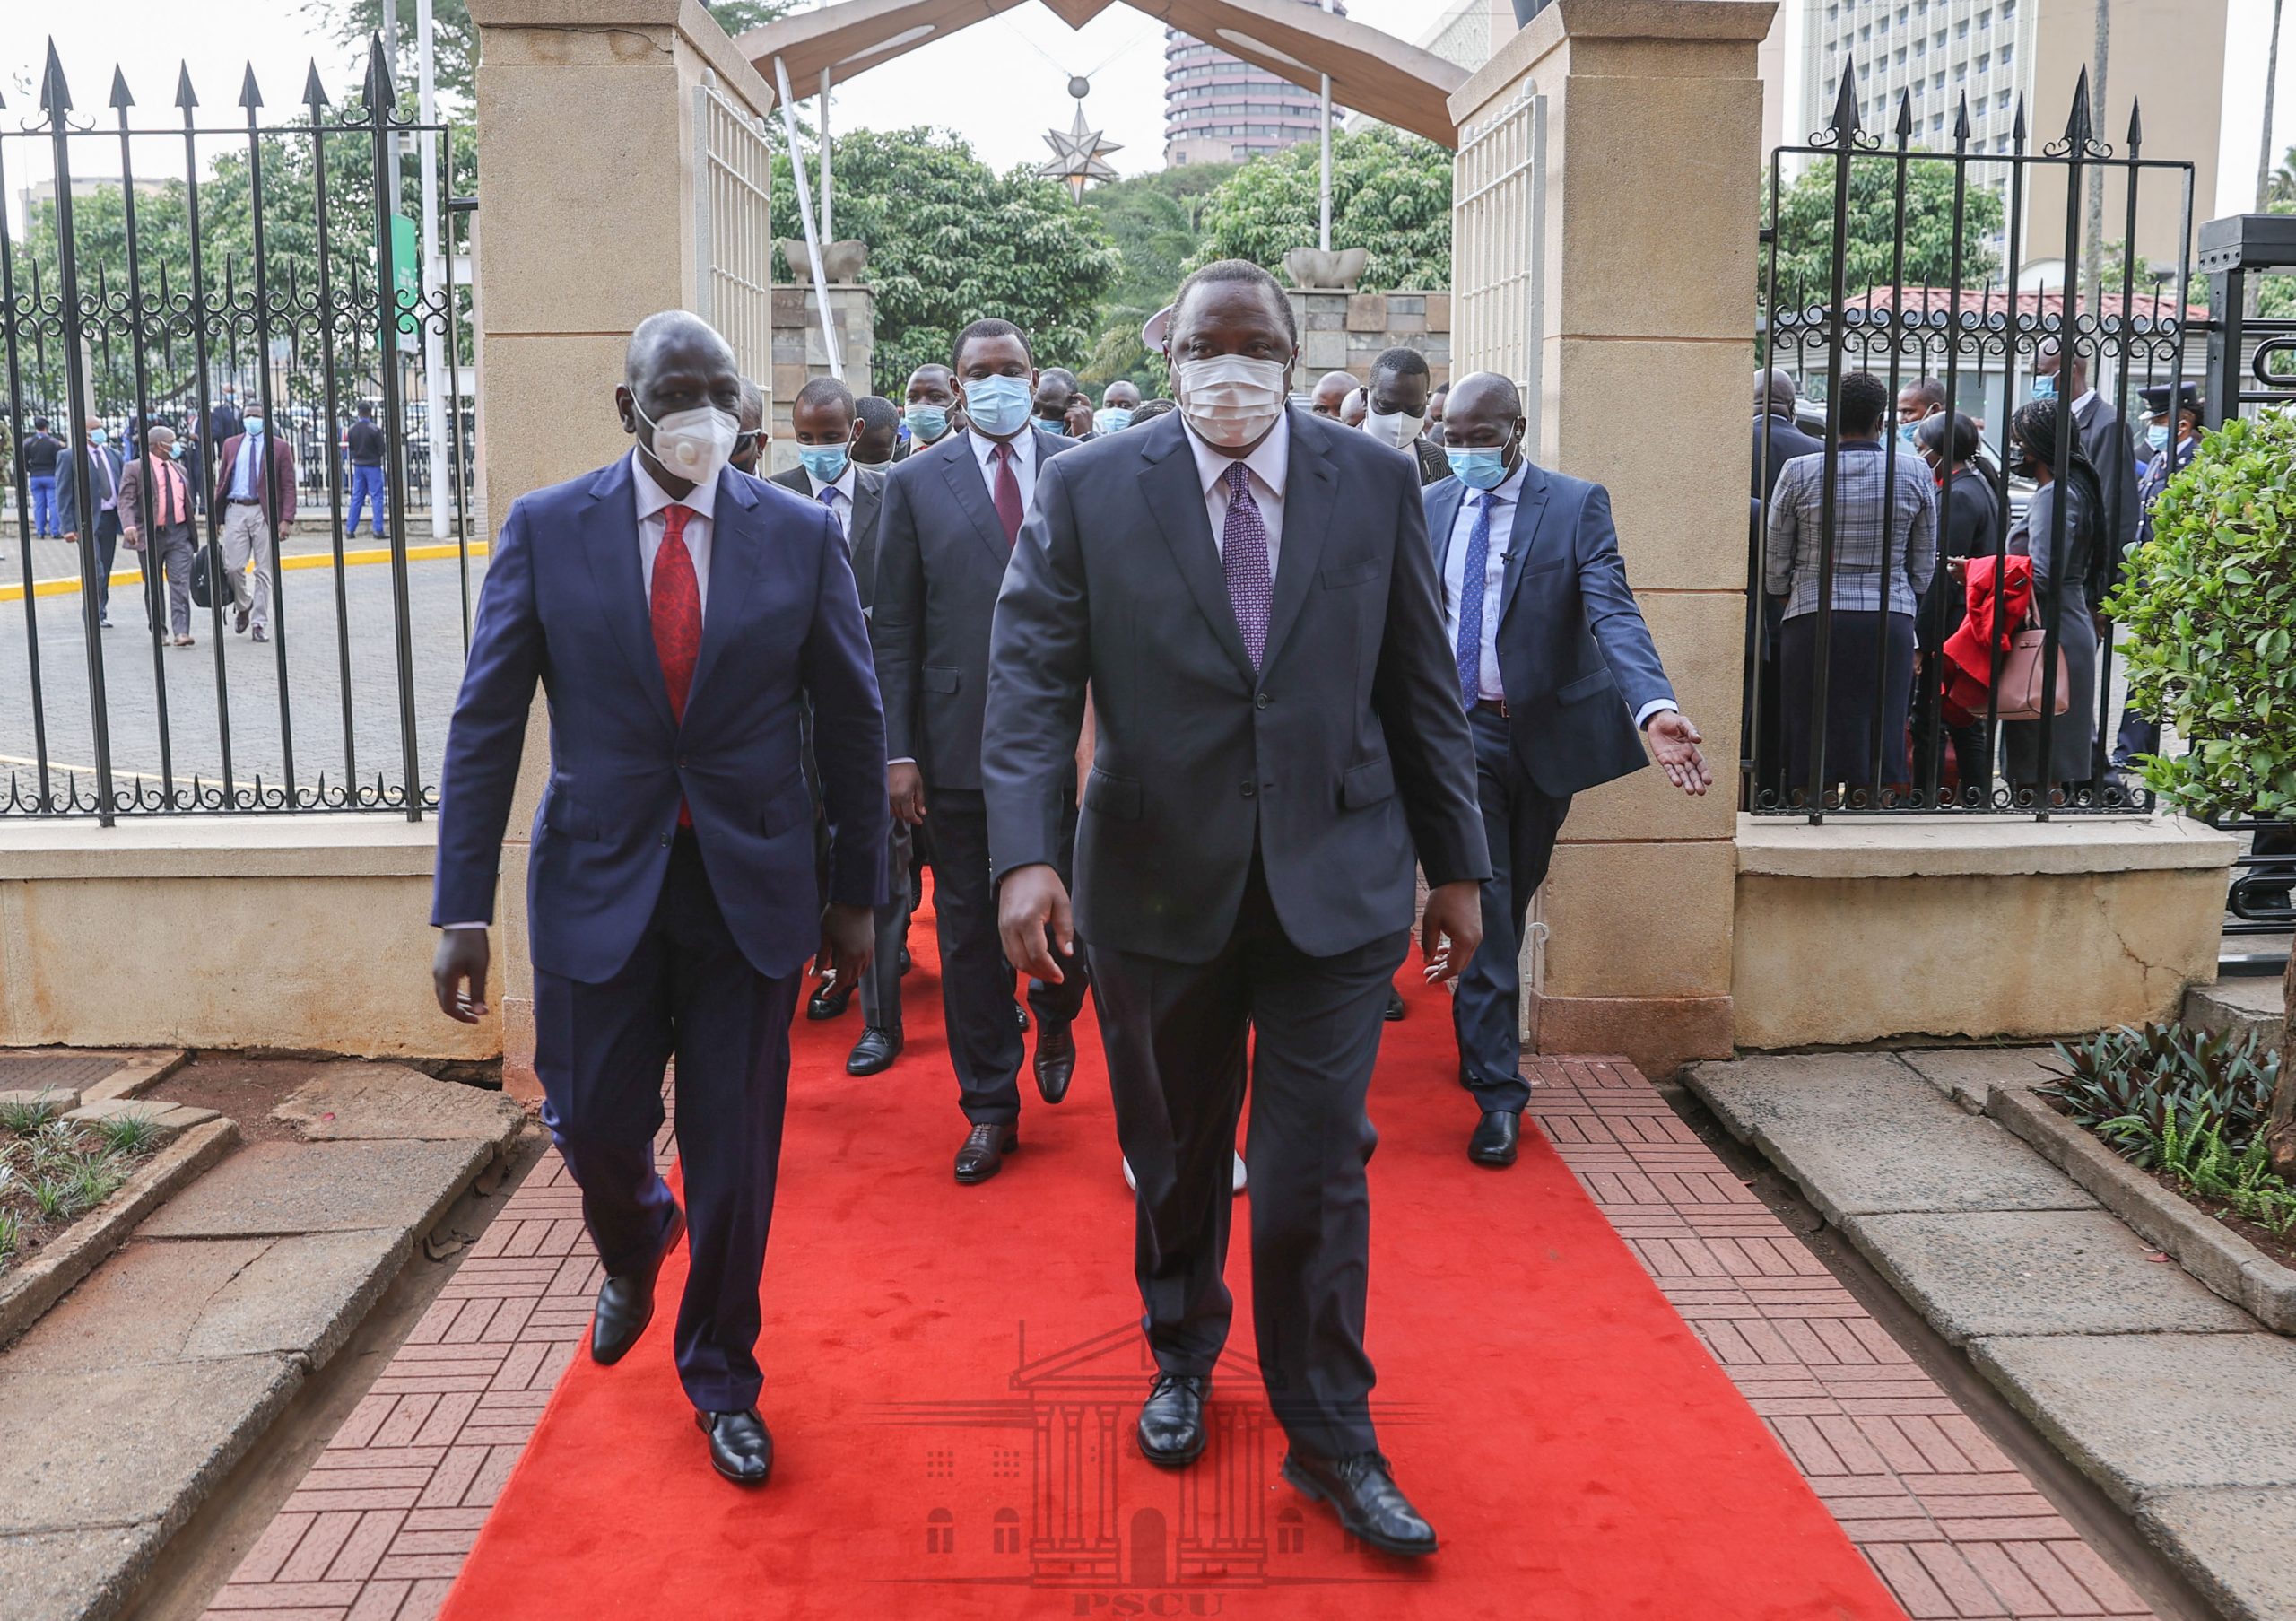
[(940, 1533), (1005, 1533), (2008, 54), (941, 1463), (1290, 1531)]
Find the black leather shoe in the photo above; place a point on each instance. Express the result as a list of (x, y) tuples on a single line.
[(906, 961), (983, 1154), (1021, 1016), (741, 1447), (1494, 1142), (626, 1303), (1056, 1059), (830, 1000), (1394, 1004), (874, 1053), (1371, 1505), (1172, 1420)]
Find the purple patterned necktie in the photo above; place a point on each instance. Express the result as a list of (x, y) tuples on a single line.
[(1243, 557)]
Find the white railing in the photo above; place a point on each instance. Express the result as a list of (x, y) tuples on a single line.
[(1499, 248), (733, 193)]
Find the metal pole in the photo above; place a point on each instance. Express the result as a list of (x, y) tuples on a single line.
[(436, 404), (1323, 193), (826, 226), (805, 218)]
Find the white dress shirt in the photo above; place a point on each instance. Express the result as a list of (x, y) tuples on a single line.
[(842, 505), (1508, 499), (1270, 461), (1025, 461), (244, 484), (1504, 500), (653, 501)]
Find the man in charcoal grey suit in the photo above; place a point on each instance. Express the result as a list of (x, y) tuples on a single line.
[(1248, 591), (952, 513)]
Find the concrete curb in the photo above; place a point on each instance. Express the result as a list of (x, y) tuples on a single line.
[(39, 1284), (2204, 1246), (137, 1074)]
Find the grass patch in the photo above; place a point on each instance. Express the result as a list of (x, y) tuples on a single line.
[(2190, 1107), (53, 1171)]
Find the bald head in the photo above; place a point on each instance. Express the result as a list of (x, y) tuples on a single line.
[(1484, 393), (1774, 394), (1485, 413), (677, 361), (1331, 392)]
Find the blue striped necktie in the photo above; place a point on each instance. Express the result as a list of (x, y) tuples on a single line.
[(1470, 590)]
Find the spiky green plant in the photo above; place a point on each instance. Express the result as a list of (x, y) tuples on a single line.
[(11, 1232), (2123, 1083), (2200, 1159), (130, 1134), (19, 1117)]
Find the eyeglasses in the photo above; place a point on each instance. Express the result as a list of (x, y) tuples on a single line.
[(744, 442)]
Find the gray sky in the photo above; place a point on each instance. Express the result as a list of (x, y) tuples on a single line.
[(1001, 82)]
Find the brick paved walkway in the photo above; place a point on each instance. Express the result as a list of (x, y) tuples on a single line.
[(382, 1523)]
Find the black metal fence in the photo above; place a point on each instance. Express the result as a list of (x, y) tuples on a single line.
[(266, 268), (1903, 263)]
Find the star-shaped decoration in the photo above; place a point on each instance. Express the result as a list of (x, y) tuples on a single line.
[(1076, 156)]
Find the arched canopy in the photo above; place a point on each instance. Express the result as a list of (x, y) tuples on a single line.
[(1371, 72)]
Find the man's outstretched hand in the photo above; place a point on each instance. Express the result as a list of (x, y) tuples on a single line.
[(1674, 741), (458, 973), (1033, 915), (848, 943), (1451, 929)]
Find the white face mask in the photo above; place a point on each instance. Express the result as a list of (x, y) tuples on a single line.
[(1228, 398), (1393, 428), (695, 444)]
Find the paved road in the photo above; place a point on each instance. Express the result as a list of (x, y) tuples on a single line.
[(250, 683)]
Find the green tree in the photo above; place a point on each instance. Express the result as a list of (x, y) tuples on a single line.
[(950, 241), (1156, 222), (1391, 193), (1804, 216)]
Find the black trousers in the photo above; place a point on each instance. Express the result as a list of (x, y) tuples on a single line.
[(687, 992), (1869, 693), (985, 1043), (1519, 825), (1175, 1037)]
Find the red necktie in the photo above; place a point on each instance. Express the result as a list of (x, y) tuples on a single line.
[(678, 618), (170, 498), (1007, 493)]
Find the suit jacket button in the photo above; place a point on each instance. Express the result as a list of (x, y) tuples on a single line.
[(1262, 701), (1249, 791), (665, 841)]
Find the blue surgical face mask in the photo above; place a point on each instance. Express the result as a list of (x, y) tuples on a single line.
[(926, 422), (97, 436), (1905, 437), (2157, 436), (253, 424), (174, 450), (2045, 388), (1112, 418), (826, 463), (1478, 468), (997, 405)]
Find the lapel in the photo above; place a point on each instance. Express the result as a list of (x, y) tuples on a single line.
[(736, 552), (1442, 518), (1169, 489), (1310, 499), (609, 531), (868, 493), (1524, 533), (962, 475)]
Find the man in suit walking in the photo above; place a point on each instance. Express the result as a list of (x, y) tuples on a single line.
[(155, 518), (2105, 440), (255, 491), (952, 514), (1555, 671), (826, 421), (674, 611), (100, 522), (363, 447), (1248, 594), (1396, 409)]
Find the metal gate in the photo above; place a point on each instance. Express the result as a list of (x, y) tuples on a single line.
[(1858, 288), (263, 269)]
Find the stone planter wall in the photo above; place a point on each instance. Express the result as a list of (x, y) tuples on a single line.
[(1347, 331)]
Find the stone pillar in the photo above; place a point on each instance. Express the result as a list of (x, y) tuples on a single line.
[(1347, 331), (1644, 346), (586, 139), (799, 355)]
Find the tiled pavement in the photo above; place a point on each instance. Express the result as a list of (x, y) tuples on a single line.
[(378, 1530)]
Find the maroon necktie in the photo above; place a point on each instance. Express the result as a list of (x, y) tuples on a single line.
[(1007, 493), (678, 618)]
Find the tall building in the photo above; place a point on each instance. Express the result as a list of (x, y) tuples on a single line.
[(1219, 109), (2168, 54)]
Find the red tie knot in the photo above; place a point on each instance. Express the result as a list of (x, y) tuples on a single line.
[(674, 521)]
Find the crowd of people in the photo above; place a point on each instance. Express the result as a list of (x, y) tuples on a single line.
[(1177, 700), (1900, 534)]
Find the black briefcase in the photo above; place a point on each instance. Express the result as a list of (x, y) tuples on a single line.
[(211, 583)]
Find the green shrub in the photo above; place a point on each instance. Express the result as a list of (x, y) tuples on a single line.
[(2125, 1084), (2200, 1160), (2209, 608), (22, 1120)]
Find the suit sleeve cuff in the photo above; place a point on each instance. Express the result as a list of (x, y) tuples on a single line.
[(1657, 706), (446, 926)]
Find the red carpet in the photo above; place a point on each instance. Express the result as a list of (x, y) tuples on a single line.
[(953, 1374)]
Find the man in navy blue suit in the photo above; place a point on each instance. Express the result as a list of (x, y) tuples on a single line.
[(1557, 672), (674, 610)]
